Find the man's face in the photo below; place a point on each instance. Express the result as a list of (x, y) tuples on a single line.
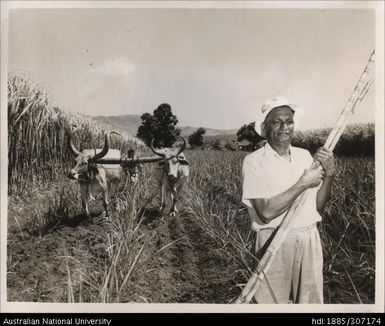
[(279, 125)]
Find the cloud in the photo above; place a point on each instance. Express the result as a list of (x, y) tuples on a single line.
[(119, 67)]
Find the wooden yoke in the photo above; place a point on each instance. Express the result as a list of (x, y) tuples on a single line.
[(126, 161), (259, 275)]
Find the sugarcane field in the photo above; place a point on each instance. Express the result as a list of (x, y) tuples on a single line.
[(125, 156)]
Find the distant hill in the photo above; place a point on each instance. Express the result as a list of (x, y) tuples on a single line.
[(131, 122), (187, 131)]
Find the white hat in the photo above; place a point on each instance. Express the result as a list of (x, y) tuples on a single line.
[(269, 106)]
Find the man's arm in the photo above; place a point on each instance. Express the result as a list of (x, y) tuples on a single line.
[(323, 194), (270, 208), (326, 158)]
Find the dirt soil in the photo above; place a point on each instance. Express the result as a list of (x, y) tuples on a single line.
[(191, 269)]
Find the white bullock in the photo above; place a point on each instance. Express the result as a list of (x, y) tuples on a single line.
[(94, 178), (174, 174)]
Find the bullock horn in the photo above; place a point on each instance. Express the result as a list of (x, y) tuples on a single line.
[(116, 133), (153, 149), (72, 146), (183, 146), (104, 150)]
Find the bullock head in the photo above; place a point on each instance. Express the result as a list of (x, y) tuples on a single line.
[(84, 160), (133, 164), (172, 159), (134, 172), (133, 169)]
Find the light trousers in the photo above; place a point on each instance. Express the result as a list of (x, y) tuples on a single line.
[(295, 276)]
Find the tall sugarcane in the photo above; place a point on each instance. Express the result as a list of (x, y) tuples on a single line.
[(258, 276)]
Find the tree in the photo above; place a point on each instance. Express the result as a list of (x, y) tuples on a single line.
[(231, 145), (146, 130), (161, 125), (248, 132), (196, 138), (220, 144)]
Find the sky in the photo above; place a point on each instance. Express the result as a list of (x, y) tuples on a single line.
[(215, 67)]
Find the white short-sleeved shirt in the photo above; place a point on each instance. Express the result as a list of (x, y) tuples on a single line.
[(266, 174)]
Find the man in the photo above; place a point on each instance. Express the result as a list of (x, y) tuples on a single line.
[(273, 177)]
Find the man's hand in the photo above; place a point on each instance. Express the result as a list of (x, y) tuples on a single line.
[(311, 178), (326, 158)]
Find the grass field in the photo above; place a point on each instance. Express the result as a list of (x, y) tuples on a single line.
[(347, 230), (109, 260), (202, 255)]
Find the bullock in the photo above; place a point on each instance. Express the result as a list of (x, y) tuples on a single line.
[(94, 178), (175, 172), (131, 165)]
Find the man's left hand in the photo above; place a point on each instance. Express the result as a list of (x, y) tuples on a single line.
[(326, 158)]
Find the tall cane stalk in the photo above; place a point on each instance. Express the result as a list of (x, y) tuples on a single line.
[(259, 275)]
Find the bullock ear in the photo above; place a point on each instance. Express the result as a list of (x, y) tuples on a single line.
[(161, 163), (183, 162)]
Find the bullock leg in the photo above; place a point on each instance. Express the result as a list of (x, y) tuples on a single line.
[(85, 194), (174, 196), (163, 199), (102, 185), (105, 200), (85, 207)]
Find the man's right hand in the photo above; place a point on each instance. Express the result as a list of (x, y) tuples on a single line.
[(311, 178)]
